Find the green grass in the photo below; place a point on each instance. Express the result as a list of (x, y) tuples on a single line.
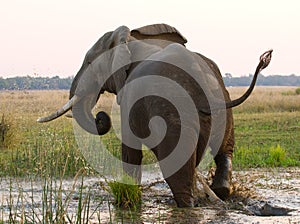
[(126, 193), (42, 150), (267, 139), (263, 157)]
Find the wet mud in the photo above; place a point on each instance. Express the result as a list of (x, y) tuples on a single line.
[(258, 196)]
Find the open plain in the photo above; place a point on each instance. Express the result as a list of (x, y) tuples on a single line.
[(45, 178)]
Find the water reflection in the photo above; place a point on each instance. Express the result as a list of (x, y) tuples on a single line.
[(159, 213)]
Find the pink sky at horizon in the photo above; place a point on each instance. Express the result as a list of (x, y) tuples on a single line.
[(50, 38)]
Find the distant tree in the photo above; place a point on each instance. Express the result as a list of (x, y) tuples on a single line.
[(2, 83), (228, 75), (272, 80), (32, 83)]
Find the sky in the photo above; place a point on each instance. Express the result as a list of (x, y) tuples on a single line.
[(51, 37)]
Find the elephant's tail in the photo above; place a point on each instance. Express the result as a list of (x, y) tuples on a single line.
[(264, 61)]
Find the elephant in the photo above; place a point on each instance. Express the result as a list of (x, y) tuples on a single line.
[(146, 68)]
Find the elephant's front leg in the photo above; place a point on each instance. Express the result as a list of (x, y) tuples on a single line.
[(131, 146), (132, 159)]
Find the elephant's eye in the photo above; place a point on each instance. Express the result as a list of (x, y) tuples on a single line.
[(89, 62)]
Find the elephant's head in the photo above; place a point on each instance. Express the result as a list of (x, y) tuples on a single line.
[(105, 68)]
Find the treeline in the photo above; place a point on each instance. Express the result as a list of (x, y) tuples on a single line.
[(40, 83), (272, 80), (35, 83)]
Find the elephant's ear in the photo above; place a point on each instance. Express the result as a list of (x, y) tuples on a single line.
[(113, 47), (121, 56), (159, 31)]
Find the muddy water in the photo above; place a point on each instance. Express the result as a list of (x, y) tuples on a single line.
[(256, 192)]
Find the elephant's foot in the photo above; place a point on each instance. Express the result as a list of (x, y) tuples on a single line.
[(222, 179), (184, 200), (221, 189)]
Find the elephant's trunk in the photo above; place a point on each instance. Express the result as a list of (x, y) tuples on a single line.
[(82, 112)]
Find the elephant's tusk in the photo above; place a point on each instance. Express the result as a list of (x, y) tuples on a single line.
[(61, 111)]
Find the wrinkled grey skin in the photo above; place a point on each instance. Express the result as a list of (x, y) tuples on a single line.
[(91, 81)]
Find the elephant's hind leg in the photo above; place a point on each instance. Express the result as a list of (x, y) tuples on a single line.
[(178, 168), (222, 179), (181, 184)]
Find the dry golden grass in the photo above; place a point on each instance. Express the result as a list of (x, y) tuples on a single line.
[(30, 103), (267, 99), (39, 103)]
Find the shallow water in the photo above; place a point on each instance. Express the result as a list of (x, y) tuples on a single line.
[(27, 199)]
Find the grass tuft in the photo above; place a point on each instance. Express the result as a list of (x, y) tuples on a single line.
[(126, 195), (277, 156)]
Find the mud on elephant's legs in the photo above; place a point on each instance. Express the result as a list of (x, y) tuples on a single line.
[(222, 179), (181, 184), (132, 159)]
